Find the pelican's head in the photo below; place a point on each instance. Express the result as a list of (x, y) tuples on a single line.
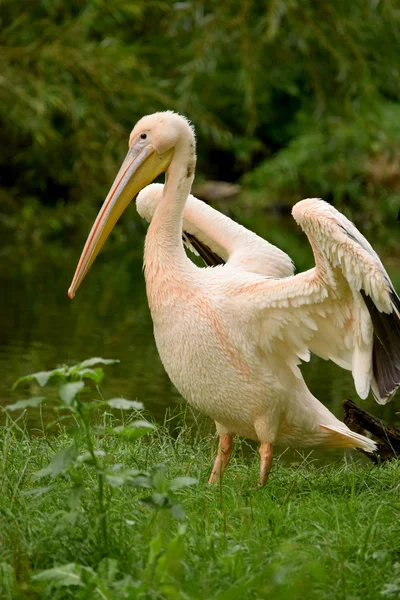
[(153, 142), (164, 130)]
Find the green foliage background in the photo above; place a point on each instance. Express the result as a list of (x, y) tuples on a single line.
[(300, 96)]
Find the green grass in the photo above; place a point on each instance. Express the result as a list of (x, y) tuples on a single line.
[(315, 531)]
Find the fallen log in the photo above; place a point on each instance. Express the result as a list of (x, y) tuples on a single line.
[(386, 436)]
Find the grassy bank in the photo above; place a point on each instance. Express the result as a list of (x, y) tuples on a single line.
[(314, 531)]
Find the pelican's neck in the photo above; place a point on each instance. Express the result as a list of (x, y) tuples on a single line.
[(165, 231)]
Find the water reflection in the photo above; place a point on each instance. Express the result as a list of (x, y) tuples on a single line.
[(41, 328)]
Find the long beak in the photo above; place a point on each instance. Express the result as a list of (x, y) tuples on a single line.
[(139, 168)]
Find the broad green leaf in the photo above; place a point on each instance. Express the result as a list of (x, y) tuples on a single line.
[(162, 500), (143, 481), (391, 590), (22, 379), (131, 477), (69, 575), (169, 563), (124, 404), (116, 480), (63, 576), (75, 495), (108, 570), (42, 377), (155, 548), (43, 472), (62, 460), (159, 478), (39, 491), (95, 375), (157, 500), (177, 511), (87, 458), (134, 430), (36, 401), (181, 482), (96, 360), (68, 391), (65, 520)]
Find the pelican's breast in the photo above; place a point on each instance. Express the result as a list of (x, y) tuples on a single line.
[(196, 343)]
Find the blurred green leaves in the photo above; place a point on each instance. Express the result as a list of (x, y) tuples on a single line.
[(76, 76), (300, 96)]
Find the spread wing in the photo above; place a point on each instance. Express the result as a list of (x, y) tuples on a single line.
[(344, 309)]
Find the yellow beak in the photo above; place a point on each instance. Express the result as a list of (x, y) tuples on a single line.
[(140, 167)]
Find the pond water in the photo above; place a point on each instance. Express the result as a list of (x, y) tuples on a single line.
[(41, 328)]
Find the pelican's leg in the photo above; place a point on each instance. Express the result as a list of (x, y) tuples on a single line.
[(265, 462), (223, 456)]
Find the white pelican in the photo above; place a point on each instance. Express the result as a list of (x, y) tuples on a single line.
[(231, 337)]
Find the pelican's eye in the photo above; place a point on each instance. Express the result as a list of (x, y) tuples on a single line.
[(141, 139)]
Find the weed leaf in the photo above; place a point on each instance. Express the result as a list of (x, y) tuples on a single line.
[(43, 473), (68, 575), (108, 570), (36, 401), (391, 590), (96, 360), (116, 480), (155, 549), (170, 562), (75, 495), (141, 481), (124, 404), (62, 460), (86, 457), (42, 377), (95, 375), (37, 492), (157, 500), (159, 478), (131, 477), (134, 430), (181, 482), (64, 576), (163, 500), (68, 391), (177, 511)]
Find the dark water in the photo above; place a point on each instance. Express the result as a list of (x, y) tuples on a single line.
[(41, 328)]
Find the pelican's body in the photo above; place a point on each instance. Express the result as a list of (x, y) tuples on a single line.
[(252, 383), (211, 350), (231, 336)]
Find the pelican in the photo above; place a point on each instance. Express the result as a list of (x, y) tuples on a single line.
[(232, 336)]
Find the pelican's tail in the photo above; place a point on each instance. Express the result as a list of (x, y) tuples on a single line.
[(342, 437)]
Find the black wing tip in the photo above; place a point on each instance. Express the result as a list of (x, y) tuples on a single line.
[(386, 348), (210, 258), (394, 299)]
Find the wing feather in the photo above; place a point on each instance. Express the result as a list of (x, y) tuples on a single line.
[(346, 305)]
